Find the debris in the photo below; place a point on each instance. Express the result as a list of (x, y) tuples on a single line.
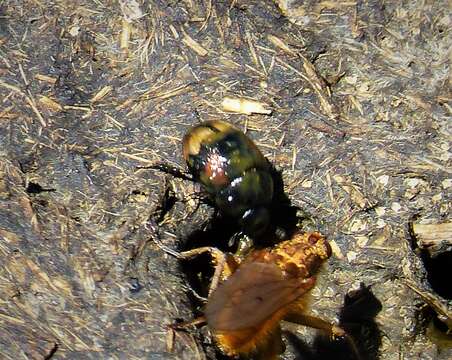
[(244, 106), (131, 10), (435, 238), (194, 45)]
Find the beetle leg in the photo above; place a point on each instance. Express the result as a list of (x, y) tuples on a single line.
[(173, 328), (185, 255), (220, 263), (183, 325), (171, 170), (189, 254), (244, 246), (331, 329), (223, 262)]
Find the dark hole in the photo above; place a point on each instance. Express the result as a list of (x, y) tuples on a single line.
[(438, 269), (436, 330), (199, 270), (440, 325), (179, 320), (42, 202), (166, 204), (134, 285), (51, 352), (35, 188)]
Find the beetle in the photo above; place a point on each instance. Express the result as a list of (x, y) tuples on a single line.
[(250, 296), (233, 171)]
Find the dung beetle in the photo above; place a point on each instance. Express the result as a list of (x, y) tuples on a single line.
[(233, 171)]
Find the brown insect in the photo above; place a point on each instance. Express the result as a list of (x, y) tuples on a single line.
[(250, 296)]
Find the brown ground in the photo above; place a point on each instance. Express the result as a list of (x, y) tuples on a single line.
[(87, 97)]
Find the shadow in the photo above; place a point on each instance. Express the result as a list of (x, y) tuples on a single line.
[(357, 318), (301, 348), (283, 215)]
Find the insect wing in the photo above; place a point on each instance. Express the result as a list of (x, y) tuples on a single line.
[(250, 296)]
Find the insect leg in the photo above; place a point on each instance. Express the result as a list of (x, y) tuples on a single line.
[(273, 349), (194, 322), (186, 255), (245, 244), (189, 254), (316, 323), (331, 329), (224, 263), (172, 330), (171, 170)]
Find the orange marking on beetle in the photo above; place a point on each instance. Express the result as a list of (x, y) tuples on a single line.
[(214, 169)]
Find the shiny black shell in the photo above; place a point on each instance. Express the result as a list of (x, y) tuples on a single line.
[(232, 170)]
